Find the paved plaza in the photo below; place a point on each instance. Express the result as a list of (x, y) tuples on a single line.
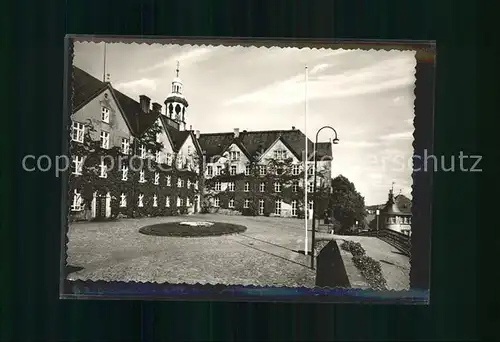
[(265, 254)]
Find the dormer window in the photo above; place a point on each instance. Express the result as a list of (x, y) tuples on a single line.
[(234, 155), (105, 114), (281, 154)]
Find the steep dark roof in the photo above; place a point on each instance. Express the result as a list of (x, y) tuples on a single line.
[(402, 204), (138, 119), (258, 142), (86, 87), (175, 98), (394, 206), (178, 137), (391, 208)]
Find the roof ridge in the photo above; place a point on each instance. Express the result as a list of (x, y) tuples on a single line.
[(114, 89), (259, 131)]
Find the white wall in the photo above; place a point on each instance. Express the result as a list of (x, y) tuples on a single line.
[(117, 126)]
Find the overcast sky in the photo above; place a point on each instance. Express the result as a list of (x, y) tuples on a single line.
[(367, 96)]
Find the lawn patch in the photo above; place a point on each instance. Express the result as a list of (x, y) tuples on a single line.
[(180, 229)]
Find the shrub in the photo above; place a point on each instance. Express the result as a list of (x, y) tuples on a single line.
[(371, 271), (300, 214), (354, 248), (249, 211), (183, 210)]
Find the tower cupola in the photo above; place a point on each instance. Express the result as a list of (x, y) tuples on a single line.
[(175, 103)]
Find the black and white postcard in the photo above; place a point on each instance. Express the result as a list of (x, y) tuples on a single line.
[(198, 168)]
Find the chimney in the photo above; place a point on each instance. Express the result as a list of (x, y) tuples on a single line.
[(144, 101), (156, 107), (293, 128), (236, 132), (190, 127), (197, 134)]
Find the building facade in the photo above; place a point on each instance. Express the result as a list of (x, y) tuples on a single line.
[(130, 157), (262, 172), (134, 158)]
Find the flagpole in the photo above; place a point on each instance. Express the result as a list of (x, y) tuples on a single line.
[(306, 205), (104, 67)]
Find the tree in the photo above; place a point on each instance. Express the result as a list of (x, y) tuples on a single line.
[(348, 204)]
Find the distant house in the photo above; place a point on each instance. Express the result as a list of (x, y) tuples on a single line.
[(395, 214)]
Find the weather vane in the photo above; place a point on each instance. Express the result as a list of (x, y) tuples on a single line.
[(177, 70)]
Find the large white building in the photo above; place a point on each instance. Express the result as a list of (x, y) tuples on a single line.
[(254, 172)]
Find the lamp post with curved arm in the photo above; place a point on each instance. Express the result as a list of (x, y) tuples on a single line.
[(313, 235)]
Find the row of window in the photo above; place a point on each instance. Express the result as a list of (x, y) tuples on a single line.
[(262, 186), (77, 166), (77, 135), (279, 154), (278, 204), (78, 205), (233, 170), (398, 220)]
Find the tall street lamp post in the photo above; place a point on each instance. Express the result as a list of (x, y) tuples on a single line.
[(313, 235), (377, 212)]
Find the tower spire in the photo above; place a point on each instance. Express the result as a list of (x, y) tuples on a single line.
[(177, 70)]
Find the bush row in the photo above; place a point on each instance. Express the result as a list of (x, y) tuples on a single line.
[(370, 268), (354, 248)]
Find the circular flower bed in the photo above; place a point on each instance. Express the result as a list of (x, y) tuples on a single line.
[(192, 229)]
